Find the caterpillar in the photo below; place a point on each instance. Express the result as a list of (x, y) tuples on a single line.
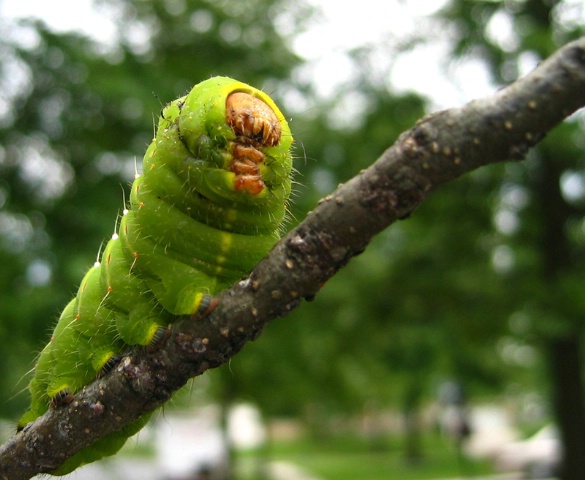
[(209, 204)]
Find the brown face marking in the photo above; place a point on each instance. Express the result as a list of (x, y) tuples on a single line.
[(252, 184), (253, 119), (240, 167), (247, 153), (246, 159), (256, 125)]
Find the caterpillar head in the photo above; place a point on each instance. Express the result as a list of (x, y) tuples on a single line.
[(253, 121), (239, 130)]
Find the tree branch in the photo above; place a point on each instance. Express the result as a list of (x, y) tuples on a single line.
[(438, 149)]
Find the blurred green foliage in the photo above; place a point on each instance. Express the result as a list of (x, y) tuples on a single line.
[(472, 288)]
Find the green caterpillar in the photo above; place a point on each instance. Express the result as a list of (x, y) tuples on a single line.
[(207, 207)]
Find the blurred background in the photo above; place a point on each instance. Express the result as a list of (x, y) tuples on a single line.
[(452, 348)]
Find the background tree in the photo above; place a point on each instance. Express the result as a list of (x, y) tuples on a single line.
[(546, 250)]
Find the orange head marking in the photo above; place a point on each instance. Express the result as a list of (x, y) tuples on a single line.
[(252, 184), (253, 119)]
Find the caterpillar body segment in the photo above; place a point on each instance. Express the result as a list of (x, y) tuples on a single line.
[(207, 207)]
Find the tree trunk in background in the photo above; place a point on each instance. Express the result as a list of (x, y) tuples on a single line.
[(566, 358), (412, 428), (565, 353)]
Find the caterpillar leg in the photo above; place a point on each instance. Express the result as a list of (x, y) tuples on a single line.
[(207, 305), (62, 397), (106, 363), (64, 381), (142, 325), (160, 337)]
